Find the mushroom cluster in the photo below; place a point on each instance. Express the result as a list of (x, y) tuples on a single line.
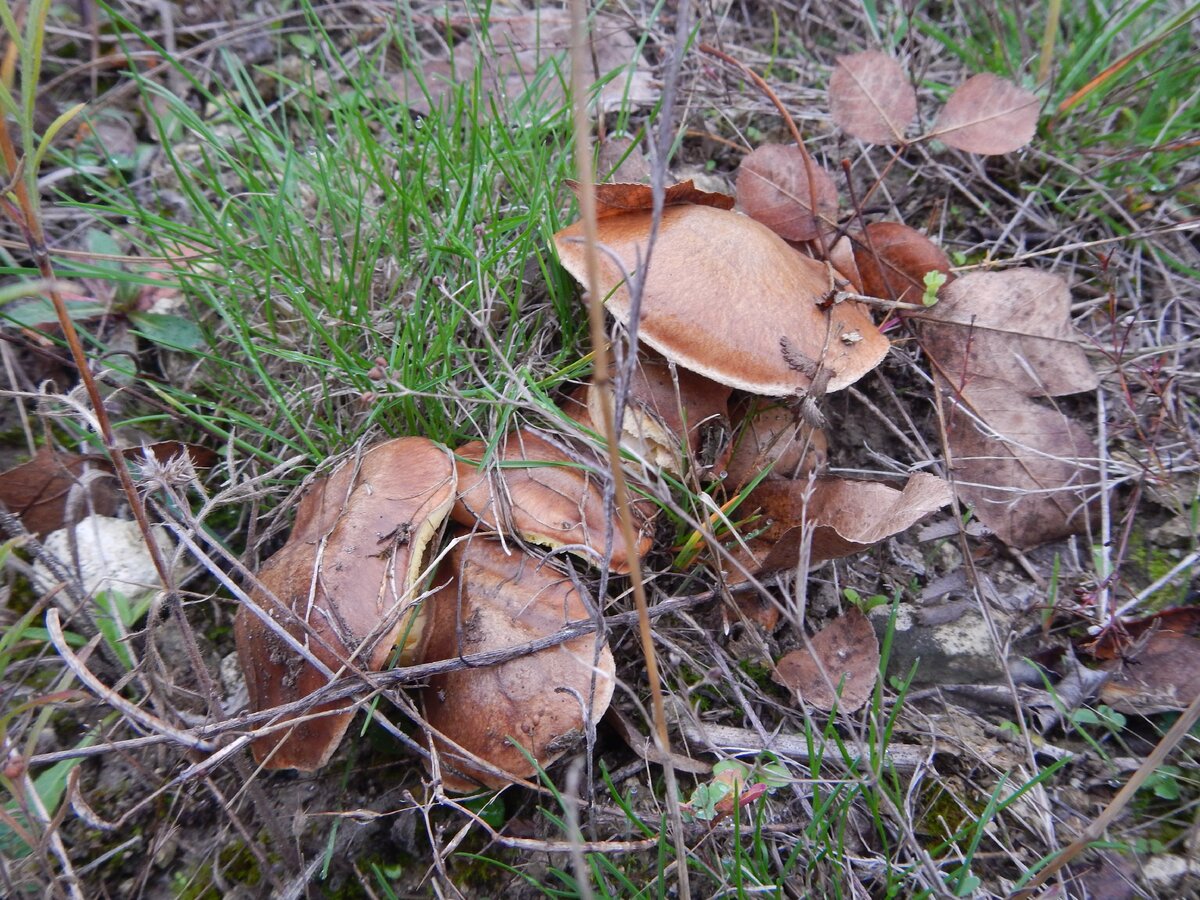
[(362, 582)]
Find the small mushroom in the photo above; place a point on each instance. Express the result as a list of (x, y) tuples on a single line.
[(727, 298), (542, 703), (773, 435), (350, 579), (663, 407), (544, 493)]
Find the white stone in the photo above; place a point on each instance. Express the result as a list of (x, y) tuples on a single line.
[(111, 554)]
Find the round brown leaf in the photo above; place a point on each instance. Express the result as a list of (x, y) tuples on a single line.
[(1023, 466), (773, 187), (1009, 329), (871, 98), (839, 666), (988, 115), (892, 261)]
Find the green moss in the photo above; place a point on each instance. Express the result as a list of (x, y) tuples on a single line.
[(237, 864), (1145, 563)]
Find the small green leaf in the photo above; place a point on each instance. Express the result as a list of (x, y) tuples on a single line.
[(170, 331), (40, 311), (933, 282)]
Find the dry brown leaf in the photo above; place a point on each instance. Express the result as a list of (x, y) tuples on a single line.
[(871, 98), (996, 339), (1115, 640), (514, 63), (844, 654), (493, 599), (54, 490), (615, 199), (1020, 467), (892, 260), (773, 188), (843, 516), (726, 297), (1162, 675), (1009, 329), (988, 115)]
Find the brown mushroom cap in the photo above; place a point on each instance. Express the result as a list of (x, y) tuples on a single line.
[(772, 434), (663, 407), (553, 502), (350, 577), (726, 297), (492, 600)]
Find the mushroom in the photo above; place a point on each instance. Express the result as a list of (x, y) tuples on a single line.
[(349, 579), (663, 407), (545, 495), (727, 298), (533, 704), (773, 435)]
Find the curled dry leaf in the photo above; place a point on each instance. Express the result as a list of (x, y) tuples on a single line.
[(663, 405), (349, 579), (996, 340), (55, 490), (772, 435), (987, 114), (493, 600), (871, 98), (546, 495), (839, 665), (773, 187), (843, 516), (726, 297), (516, 56), (1162, 674), (893, 259)]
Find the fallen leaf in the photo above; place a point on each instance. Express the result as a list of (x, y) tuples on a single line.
[(843, 516), (1018, 463), (773, 187), (55, 490), (995, 341), (871, 98), (523, 60), (987, 114), (893, 259), (1163, 675), (1010, 330), (838, 666)]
